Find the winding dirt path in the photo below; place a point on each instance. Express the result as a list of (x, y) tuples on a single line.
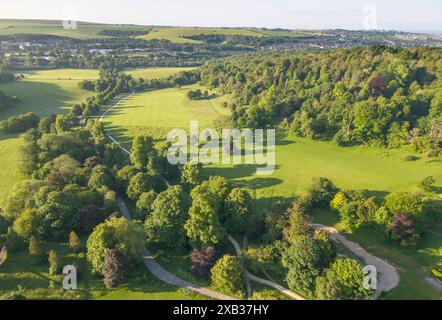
[(388, 276)]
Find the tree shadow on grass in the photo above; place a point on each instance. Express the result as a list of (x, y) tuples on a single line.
[(258, 183), (33, 95), (236, 172)]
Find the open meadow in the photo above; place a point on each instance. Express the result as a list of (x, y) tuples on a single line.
[(44, 93), (177, 35), (55, 28), (21, 271)]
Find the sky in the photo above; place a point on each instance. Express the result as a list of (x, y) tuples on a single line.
[(404, 15)]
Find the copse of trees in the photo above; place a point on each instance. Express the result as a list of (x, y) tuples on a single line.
[(377, 95), (125, 236), (401, 217), (7, 102), (197, 94), (6, 76), (20, 123)]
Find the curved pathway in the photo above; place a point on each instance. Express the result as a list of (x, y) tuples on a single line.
[(147, 257), (388, 276), (254, 278)]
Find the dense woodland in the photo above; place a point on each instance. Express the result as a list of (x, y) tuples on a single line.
[(377, 95)]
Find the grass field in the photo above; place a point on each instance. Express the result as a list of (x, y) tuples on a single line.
[(55, 28), (21, 270), (43, 95), (155, 73), (299, 160), (62, 74), (157, 112), (176, 34)]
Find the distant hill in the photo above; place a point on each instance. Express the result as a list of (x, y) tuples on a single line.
[(296, 39)]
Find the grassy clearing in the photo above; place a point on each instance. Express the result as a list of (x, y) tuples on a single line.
[(21, 270), (47, 92), (157, 112), (53, 27), (298, 160), (176, 34), (9, 153), (61, 74), (155, 73), (43, 97), (285, 33)]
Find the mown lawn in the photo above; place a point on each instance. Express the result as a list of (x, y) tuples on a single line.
[(299, 160), (157, 112)]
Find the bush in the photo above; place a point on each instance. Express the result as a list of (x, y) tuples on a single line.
[(403, 230), (90, 217), (321, 191), (428, 184), (115, 269), (203, 261), (74, 242), (54, 263), (227, 276), (436, 273), (35, 250), (3, 255), (410, 158)]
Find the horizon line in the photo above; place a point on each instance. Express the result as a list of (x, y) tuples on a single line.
[(222, 27)]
